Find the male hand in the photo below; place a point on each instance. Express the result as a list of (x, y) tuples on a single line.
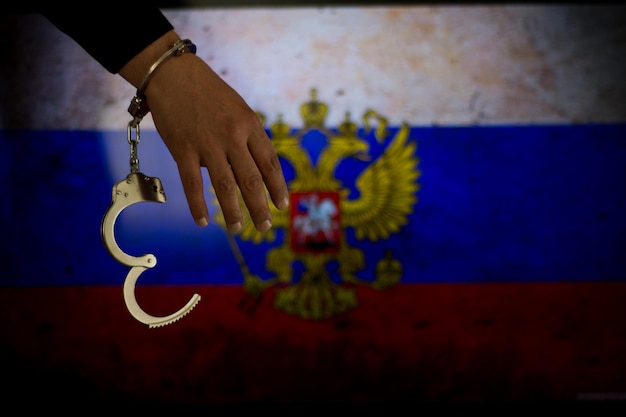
[(205, 123)]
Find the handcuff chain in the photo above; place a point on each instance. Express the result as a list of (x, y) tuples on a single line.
[(133, 142)]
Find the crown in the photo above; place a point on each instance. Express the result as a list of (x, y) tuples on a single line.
[(279, 129), (313, 112), (348, 128)]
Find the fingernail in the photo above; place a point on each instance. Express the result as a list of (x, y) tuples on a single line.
[(234, 227), (265, 226), (202, 221), (283, 204)]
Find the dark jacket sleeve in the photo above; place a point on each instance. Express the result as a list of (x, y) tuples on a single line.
[(112, 35)]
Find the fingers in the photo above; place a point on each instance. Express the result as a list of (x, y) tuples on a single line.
[(253, 167), (252, 189), (250, 166), (191, 178), (268, 163), (225, 186)]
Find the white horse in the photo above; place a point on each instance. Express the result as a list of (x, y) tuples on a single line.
[(318, 218)]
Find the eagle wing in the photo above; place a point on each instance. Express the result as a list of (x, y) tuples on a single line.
[(387, 191)]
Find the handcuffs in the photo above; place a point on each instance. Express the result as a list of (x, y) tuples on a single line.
[(136, 188)]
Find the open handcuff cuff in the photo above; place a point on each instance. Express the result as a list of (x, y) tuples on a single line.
[(136, 188)]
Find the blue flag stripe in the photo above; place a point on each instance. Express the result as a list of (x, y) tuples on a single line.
[(501, 203)]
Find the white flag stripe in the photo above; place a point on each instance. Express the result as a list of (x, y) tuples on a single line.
[(448, 65)]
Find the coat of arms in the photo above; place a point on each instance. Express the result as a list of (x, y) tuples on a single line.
[(315, 267)]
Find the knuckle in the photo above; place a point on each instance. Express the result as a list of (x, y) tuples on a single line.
[(253, 182), (271, 164), (226, 184), (251, 119)]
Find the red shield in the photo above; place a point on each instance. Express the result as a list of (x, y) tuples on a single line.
[(315, 222)]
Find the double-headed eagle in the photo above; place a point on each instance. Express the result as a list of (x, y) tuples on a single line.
[(384, 196)]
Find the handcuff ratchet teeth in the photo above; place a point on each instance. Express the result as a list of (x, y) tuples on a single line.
[(136, 188)]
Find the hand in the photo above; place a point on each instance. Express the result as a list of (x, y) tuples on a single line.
[(205, 123)]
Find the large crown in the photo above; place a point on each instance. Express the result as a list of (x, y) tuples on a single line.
[(313, 112)]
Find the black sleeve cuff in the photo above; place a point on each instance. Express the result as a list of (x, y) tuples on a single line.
[(113, 35)]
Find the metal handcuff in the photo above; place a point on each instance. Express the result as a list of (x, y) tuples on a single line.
[(135, 188)]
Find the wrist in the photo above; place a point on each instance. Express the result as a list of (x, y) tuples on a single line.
[(139, 104), (136, 69)]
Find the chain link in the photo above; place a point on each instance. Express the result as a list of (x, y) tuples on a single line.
[(133, 142)]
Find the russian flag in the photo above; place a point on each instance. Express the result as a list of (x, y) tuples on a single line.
[(456, 232)]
